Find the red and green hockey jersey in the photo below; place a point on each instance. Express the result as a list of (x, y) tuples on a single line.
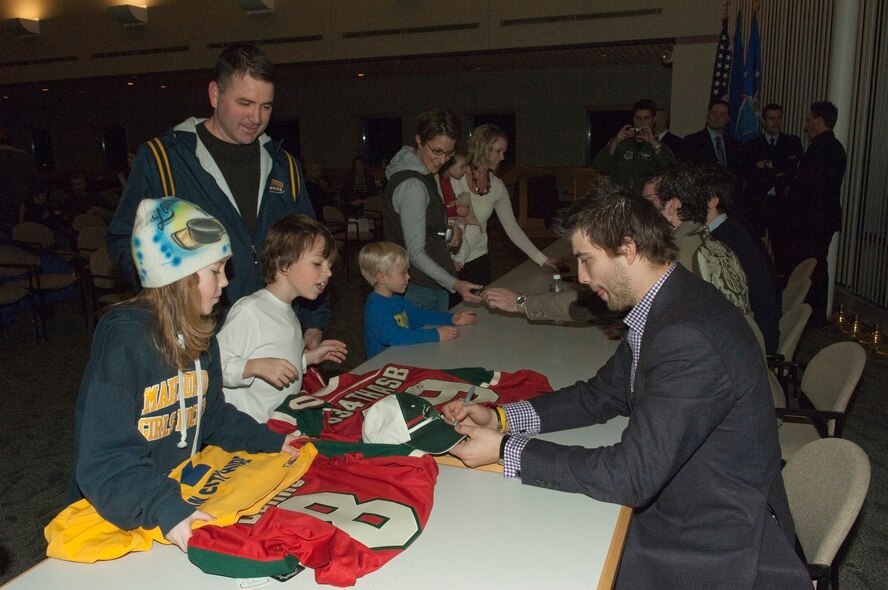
[(334, 411), (346, 517)]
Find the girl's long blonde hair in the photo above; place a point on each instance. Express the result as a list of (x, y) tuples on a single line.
[(177, 308)]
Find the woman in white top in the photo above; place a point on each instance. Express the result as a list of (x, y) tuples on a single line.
[(486, 149)]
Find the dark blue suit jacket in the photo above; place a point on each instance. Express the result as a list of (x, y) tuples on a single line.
[(698, 148), (760, 208), (699, 460), (764, 294)]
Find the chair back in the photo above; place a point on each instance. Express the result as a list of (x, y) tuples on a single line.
[(803, 270), (375, 203), (332, 214), (791, 325), (826, 482), (777, 393), (11, 255), (102, 269), (90, 239), (83, 220), (759, 337), (832, 375), (31, 232), (794, 293)]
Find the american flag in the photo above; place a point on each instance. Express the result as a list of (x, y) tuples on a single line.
[(721, 71)]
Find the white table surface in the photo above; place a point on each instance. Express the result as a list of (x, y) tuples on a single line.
[(484, 531)]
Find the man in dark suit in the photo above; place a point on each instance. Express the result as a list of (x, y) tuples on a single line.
[(814, 211), (661, 130), (711, 145), (770, 162), (699, 460), (764, 293)]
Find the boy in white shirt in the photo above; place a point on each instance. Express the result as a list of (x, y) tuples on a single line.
[(261, 336)]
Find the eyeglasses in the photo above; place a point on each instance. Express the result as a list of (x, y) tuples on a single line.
[(440, 152)]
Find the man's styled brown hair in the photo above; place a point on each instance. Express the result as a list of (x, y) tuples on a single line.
[(610, 216)]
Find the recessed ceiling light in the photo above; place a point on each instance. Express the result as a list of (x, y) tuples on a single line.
[(45, 89), (361, 74), (130, 83), (163, 85)]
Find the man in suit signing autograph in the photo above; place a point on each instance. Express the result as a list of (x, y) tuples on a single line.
[(699, 461)]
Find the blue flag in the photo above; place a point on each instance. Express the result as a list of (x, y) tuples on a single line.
[(748, 116), (736, 89), (721, 71)]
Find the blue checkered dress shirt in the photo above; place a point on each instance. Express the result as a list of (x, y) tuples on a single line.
[(523, 420)]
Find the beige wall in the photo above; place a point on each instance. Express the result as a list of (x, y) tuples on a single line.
[(80, 29), (550, 104), (691, 84)]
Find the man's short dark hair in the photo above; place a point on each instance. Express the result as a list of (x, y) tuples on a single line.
[(722, 102), (826, 111), (682, 181), (645, 104), (716, 182), (771, 106), (437, 122), (241, 60), (610, 216)]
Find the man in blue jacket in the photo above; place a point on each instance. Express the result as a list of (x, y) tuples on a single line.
[(232, 170)]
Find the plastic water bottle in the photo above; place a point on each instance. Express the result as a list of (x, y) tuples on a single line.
[(557, 285)]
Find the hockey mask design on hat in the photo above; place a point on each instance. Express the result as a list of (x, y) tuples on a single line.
[(173, 239), (404, 418)]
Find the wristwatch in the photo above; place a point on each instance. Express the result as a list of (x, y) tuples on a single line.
[(520, 302)]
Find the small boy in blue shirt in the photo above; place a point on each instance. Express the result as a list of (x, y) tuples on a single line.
[(391, 320)]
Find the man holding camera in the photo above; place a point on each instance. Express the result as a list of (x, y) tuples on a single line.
[(634, 151)]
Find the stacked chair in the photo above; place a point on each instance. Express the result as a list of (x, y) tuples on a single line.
[(815, 404)]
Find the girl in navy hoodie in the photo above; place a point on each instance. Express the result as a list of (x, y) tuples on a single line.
[(151, 395)]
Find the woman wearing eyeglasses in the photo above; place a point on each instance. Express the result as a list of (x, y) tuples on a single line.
[(415, 216), (486, 150)]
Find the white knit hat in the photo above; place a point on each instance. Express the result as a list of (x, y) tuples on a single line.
[(173, 239)]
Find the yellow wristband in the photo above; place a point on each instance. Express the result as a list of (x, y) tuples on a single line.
[(502, 426)]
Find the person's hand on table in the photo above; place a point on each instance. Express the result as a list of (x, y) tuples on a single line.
[(480, 447), (464, 288), (464, 318), (179, 534), (472, 414), (447, 333), (501, 298)]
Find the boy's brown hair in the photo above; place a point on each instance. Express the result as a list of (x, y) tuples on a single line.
[(289, 239)]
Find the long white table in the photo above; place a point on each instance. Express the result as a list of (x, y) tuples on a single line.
[(484, 531)]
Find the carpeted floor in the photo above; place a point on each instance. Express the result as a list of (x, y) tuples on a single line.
[(39, 383)]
